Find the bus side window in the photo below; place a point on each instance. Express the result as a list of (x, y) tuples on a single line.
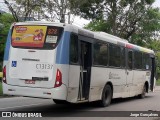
[(114, 56), (146, 61), (130, 60), (100, 54), (138, 60), (73, 49)]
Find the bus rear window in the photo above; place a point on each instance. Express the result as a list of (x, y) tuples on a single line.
[(40, 37)]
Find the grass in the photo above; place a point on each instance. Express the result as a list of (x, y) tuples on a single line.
[(158, 82)]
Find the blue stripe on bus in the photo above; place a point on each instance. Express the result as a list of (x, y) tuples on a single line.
[(7, 48), (62, 56)]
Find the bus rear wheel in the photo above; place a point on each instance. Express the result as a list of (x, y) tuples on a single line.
[(106, 96), (143, 94)]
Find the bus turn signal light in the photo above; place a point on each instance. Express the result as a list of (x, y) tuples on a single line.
[(4, 75), (58, 81)]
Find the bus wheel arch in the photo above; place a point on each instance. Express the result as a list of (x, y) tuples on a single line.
[(147, 86), (106, 95), (60, 101), (145, 90)]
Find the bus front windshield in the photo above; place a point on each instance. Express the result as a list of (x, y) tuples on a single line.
[(36, 37)]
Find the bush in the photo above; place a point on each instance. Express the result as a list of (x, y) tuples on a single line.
[(1, 65), (158, 82)]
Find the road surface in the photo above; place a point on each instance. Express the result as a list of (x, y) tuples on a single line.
[(72, 111)]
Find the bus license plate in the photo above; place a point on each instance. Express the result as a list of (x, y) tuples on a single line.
[(29, 81)]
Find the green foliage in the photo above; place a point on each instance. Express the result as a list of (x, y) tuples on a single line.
[(23, 10), (1, 38), (158, 64), (133, 20), (154, 45), (5, 19), (97, 25), (89, 9), (148, 30), (158, 82), (31, 10)]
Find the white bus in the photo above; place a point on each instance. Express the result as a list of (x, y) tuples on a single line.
[(66, 63)]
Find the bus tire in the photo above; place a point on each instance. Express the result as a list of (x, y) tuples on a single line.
[(143, 94), (59, 101), (106, 96)]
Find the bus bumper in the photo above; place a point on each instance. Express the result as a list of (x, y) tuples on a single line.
[(52, 93)]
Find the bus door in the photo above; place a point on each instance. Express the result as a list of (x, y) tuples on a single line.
[(85, 70), (152, 73), (129, 71)]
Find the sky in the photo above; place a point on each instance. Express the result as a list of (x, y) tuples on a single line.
[(80, 22), (156, 3)]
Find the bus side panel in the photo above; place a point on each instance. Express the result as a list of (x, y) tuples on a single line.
[(6, 52), (118, 79), (98, 80), (100, 76), (7, 47), (73, 86), (139, 79), (62, 56)]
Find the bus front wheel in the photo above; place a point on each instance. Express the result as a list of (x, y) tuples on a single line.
[(106, 96)]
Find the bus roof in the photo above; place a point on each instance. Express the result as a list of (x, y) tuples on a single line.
[(39, 23), (96, 35), (111, 39)]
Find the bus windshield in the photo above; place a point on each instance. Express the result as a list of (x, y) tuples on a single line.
[(40, 37)]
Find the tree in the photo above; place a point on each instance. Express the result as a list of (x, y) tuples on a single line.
[(23, 10), (6, 19), (154, 45), (158, 64), (149, 28), (50, 10), (58, 9), (123, 18)]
